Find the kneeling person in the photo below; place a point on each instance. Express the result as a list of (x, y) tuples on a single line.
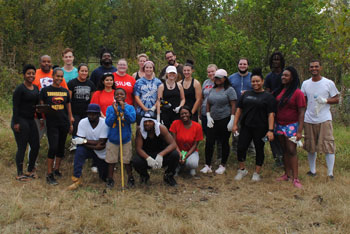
[(155, 148), (91, 140)]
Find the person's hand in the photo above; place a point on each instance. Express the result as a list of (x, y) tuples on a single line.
[(235, 128), (298, 136), (230, 124), (42, 124), (159, 160), (210, 121), (151, 162), (321, 100), (78, 141), (115, 106), (177, 109), (122, 104), (270, 135), (70, 129), (16, 127), (153, 108), (72, 120)]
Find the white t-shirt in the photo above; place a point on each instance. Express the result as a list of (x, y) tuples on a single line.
[(100, 131), (324, 88)]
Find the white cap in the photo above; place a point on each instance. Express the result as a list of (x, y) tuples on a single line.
[(171, 69), (221, 73)]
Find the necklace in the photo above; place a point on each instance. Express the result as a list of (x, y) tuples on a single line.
[(171, 86)]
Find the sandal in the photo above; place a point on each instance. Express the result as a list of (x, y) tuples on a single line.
[(23, 178), (31, 175)]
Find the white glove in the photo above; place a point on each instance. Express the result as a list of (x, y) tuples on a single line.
[(210, 121), (159, 160), (321, 100), (294, 139), (236, 134), (177, 109), (153, 108), (151, 162), (158, 118), (230, 124), (78, 141)]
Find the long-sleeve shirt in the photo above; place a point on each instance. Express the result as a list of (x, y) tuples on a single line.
[(24, 101)]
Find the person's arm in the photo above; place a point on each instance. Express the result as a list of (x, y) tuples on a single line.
[(70, 117), (99, 144), (182, 95), (140, 104), (192, 149), (160, 95), (301, 114), (233, 106), (70, 93), (271, 120), (134, 75), (129, 114), (111, 116), (198, 91), (16, 100), (139, 144), (235, 122), (333, 100), (168, 139)]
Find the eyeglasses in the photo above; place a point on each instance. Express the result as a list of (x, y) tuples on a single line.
[(108, 74)]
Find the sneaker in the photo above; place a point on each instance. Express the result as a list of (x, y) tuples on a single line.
[(206, 169), (193, 172), (256, 177), (144, 179), (220, 170), (131, 182), (57, 173), (94, 170), (331, 177), (241, 174), (309, 173), (283, 178), (297, 183), (76, 183), (169, 179), (50, 179), (110, 183)]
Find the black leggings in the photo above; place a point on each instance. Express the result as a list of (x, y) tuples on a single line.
[(56, 136), (28, 134), (245, 137), (218, 133), (77, 119)]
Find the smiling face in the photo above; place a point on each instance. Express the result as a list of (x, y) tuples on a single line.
[(108, 82), (57, 78), (93, 116), (106, 59), (219, 81), (141, 61), (148, 125), (45, 63), (29, 76), (171, 76), (171, 58), (257, 83), (187, 70), (185, 115), (148, 69), (119, 95), (122, 66), (286, 77), (211, 73), (315, 68), (243, 66), (68, 58), (83, 73)]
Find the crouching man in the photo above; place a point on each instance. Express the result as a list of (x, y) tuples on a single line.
[(91, 141), (155, 148)]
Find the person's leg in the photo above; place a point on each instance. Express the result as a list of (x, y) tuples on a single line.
[(102, 166), (224, 140), (330, 158), (258, 134), (286, 162), (204, 124), (140, 165), (192, 161), (312, 161), (53, 138), (81, 154), (22, 139), (277, 151), (170, 161), (291, 152), (63, 132), (244, 139), (34, 143), (209, 144), (77, 119), (311, 132), (327, 145)]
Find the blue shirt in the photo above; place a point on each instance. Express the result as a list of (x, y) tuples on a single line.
[(97, 74), (240, 83), (68, 76), (147, 91)]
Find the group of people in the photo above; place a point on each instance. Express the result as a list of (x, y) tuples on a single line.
[(99, 112)]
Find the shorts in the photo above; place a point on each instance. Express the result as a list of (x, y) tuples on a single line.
[(113, 151), (288, 130), (319, 138)]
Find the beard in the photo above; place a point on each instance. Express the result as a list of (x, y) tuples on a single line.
[(171, 62), (106, 62), (242, 71)]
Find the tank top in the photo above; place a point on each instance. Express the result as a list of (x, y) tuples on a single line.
[(172, 95), (190, 94), (137, 76), (153, 145)]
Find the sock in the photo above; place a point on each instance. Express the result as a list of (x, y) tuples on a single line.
[(312, 161), (330, 158)]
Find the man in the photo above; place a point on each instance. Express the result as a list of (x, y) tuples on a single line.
[(91, 140), (70, 72), (106, 66), (320, 93), (155, 148), (273, 81), (170, 56)]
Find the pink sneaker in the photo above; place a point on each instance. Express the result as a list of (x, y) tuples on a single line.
[(297, 183), (283, 178)]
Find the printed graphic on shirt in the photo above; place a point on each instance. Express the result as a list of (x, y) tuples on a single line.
[(45, 81), (122, 83), (82, 92), (57, 99)]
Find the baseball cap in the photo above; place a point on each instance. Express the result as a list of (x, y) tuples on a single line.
[(170, 69), (94, 108), (221, 73)]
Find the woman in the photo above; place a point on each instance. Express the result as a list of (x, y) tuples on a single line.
[(146, 92), (187, 134), (256, 110), (171, 97), (25, 98), (104, 96), (80, 91), (124, 80), (291, 106), (141, 59), (221, 106), (192, 88), (59, 122)]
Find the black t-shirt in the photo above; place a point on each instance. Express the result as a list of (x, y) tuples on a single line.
[(24, 101), (273, 81), (256, 107), (81, 95), (57, 98)]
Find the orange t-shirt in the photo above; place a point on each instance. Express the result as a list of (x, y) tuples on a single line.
[(43, 79)]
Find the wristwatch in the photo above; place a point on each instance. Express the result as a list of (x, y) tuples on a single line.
[(270, 130), (85, 141)]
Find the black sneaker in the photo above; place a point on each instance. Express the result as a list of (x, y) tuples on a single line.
[(50, 179), (309, 173), (131, 182), (169, 179), (144, 179), (331, 177), (110, 183), (57, 173)]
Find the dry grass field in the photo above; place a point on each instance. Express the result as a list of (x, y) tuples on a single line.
[(203, 204)]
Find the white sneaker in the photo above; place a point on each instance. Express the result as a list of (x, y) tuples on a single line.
[(256, 177), (241, 174), (193, 172), (206, 169), (220, 170), (94, 169)]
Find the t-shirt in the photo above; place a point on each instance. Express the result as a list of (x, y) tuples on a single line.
[(289, 114), (147, 91), (219, 100), (81, 95), (24, 101), (273, 81), (104, 99), (126, 82), (86, 131), (240, 83), (185, 138), (43, 79), (68, 76), (324, 88), (256, 107), (97, 74), (208, 84), (57, 98)]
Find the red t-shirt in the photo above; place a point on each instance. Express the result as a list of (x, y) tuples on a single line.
[(126, 82), (43, 79), (185, 138), (104, 99), (288, 114)]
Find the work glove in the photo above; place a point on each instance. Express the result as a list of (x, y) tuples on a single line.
[(294, 139), (153, 108), (321, 100), (230, 124), (151, 162), (177, 109), (159, 160), (78, 141), (210, 121)]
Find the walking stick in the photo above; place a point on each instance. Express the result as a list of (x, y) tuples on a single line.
[(121, 149)]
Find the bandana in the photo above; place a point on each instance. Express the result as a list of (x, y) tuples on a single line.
[(156, 127)]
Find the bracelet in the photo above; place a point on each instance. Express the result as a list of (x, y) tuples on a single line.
[(270, 130)]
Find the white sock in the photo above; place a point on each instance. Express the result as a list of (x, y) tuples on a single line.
[(312, 161), (330, 158)]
